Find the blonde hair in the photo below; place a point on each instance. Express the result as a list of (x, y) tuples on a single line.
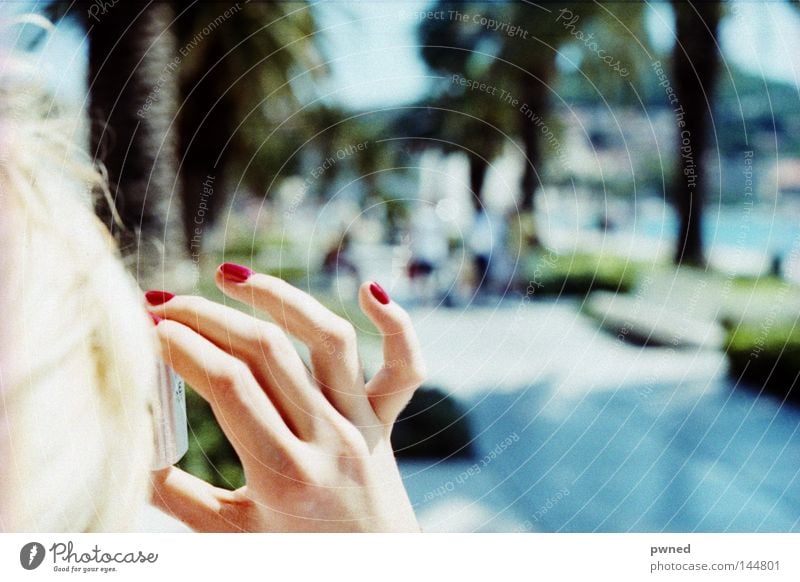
[(77, 350)]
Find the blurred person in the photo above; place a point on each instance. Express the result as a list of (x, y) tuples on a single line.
[(486, 241), (338, 265), (78, 358), (429, 252)]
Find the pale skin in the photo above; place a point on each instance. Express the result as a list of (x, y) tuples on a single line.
[(314, 443)]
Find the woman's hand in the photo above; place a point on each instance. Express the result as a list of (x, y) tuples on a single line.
[(314, 444)]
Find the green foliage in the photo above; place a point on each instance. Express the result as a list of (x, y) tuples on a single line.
[(548, 273), (766, 356), (433, 425), (210, 457)]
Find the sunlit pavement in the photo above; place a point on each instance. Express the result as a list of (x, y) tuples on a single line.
[(612, 437), (576, 431)]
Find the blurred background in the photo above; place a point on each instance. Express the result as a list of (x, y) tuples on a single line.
[(590, 210)]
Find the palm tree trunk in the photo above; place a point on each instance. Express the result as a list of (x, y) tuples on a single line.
[(694, 70), (478, 167), (535, 98), (133, 96), (205, 125)]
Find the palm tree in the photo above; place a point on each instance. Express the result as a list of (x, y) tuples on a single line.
[(208, 82), (694, 65), (522, 62), (245, 87), (132, 109), (459, 118)]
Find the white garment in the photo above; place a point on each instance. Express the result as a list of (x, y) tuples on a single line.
[(428, 236), (488, 234)]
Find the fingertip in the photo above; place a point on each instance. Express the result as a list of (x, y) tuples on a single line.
[(369, 305), (364, 294), (390, 318), (230, 277), (233, 273), (374, 298), (379, 293)]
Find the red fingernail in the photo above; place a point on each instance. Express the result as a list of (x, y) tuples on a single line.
[(235, 273), (156, 318), (379, 293), (158, 297)]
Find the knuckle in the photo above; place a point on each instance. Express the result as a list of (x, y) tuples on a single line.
[(294, 464), (190, 304), (268, 338), (403, 319), (417, 373), (338, 334), (400, 323), (350, 440), (226, 379)]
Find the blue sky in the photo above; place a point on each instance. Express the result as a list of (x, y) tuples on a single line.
[(375, 63)]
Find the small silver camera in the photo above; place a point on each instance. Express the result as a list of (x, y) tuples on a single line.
[(169, 419)]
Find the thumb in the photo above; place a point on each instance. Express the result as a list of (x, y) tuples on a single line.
[(403, 368), (198, 504)]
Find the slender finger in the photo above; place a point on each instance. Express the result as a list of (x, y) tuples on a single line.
[(198, 504), (245, 413), (403, 367), (263, 347), (331, 340)]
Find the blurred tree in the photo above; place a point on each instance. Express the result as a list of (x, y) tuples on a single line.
[(695, 58), (462, 116), (225, 85), (246, 81), (132, 110), (607, 39), (535, 62), (514, 47)]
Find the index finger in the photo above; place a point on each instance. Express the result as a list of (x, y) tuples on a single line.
[(246, 415), (330, 338)]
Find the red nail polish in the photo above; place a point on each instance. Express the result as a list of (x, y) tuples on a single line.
[(156, 319), (158, 297), (235, 273), (379, 293)]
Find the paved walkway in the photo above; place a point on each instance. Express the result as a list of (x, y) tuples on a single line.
[(577, 431), (611, 437)]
